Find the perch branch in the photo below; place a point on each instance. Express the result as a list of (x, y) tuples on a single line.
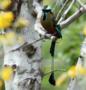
[(74, 17)]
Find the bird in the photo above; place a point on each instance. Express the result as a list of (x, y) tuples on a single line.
[(49, 23)]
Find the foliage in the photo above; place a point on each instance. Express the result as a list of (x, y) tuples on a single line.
[(6, 19), (6, 73), (2, 87), (71, 42), (4, 4), (73, 72), (67, 51)]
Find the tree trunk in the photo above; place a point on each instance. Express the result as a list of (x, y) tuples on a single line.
[(28, 72), (79, 83)]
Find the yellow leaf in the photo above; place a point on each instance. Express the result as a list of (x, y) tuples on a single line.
[(4, 4), (84, 31), (6, 19), (21, 23), (10, 35), (72, 72), (61, 79), (6, 73), (81, 70), (20, 39), (10, 38), (2, 38), (47, 2), (1, 83), (8, 16)]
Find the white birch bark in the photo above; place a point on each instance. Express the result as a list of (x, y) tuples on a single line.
[(28, 73), (79, 83)]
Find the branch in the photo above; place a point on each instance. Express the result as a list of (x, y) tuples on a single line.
[(81, 4), (74, 17), (61, 10), (37, 6), (66, 11), (61, 70), (38, 9)]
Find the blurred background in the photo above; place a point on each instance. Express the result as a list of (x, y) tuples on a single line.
[(67, 49)]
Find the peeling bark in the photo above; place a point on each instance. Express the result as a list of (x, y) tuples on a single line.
[(28, 69)]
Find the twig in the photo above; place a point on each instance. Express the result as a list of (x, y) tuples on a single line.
[(26, 44), (61, 70), (73, 17), (81, 4), (61, 10), (66, 12)]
